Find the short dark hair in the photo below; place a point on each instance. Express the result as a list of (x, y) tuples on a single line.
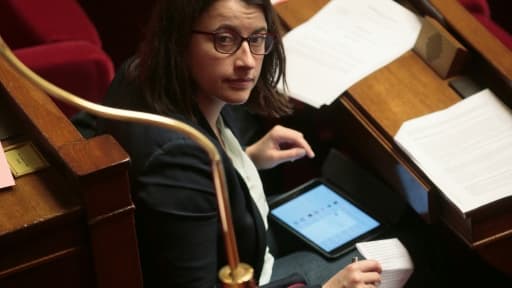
[(162, 67)]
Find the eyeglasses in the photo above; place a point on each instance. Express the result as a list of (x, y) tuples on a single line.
[(228, 42)]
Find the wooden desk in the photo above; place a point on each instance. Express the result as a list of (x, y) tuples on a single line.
[(375, 107), (71, 224)]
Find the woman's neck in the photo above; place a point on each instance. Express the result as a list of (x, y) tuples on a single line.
[(211, 108)]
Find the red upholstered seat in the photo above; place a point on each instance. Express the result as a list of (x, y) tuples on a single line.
[(38, 22), (57, 40), (479, 7), (487, 15), (77, 66)]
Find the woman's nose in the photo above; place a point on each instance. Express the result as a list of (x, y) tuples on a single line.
[(244, 56)]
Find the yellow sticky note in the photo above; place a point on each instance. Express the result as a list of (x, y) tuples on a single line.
[(24, 158), (6, 179)]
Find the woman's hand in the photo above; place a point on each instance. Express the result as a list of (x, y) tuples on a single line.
[(361, 274), (279, 145)]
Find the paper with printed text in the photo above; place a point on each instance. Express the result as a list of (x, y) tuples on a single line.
[(344, 42)]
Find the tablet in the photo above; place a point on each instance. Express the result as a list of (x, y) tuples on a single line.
[(324, 218)]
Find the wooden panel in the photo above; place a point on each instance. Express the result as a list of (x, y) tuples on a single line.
[(404, 89), (476, 36), (295, 12), (72, 224), (375, 107)]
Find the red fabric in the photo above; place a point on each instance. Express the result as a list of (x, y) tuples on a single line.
[(484, 13), (76, 66), (479, 7), (25, 23), (57, 40), (498, 31), (297, 285)]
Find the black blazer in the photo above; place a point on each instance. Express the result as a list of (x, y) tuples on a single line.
[(178, 228), (179, 234)]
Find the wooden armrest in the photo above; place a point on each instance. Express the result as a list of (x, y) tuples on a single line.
[(294, 13), (476, 36)]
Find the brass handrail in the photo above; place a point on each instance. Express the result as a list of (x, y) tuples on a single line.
[(235, 274)]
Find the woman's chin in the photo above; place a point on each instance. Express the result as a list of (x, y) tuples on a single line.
[(237, 98)]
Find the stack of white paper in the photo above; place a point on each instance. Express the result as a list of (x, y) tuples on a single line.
[(344, 42), (394, 259), (466, 149)]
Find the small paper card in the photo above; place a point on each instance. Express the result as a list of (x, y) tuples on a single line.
[(24, 158), (394, 259), (6, 179)]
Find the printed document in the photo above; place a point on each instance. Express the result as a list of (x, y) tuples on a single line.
[(344, 42), (466, 149), (394, 259)]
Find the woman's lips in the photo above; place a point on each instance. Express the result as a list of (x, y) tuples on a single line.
[(240, 83)]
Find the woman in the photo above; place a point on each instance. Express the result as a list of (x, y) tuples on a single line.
[(199, 58)]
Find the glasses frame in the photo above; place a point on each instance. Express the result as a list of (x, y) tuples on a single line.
[(242, 40)]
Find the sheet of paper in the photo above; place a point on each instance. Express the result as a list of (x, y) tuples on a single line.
[(465, 149), (394, 259), (344, 42), (6, 178)]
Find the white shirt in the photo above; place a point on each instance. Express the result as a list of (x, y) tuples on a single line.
[(246, 168)]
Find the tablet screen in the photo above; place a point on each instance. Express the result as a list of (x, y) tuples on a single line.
[(325, 218)]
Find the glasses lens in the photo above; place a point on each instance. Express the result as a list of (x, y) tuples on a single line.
[(260, 43), (226, 42)]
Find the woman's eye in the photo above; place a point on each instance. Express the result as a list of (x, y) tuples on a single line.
[(224, 39), (258, 39)]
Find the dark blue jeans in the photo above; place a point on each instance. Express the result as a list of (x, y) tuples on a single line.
[(292, 255), (315, 268)]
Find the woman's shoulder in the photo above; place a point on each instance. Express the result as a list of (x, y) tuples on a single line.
[(124, 90), (151, 138)]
